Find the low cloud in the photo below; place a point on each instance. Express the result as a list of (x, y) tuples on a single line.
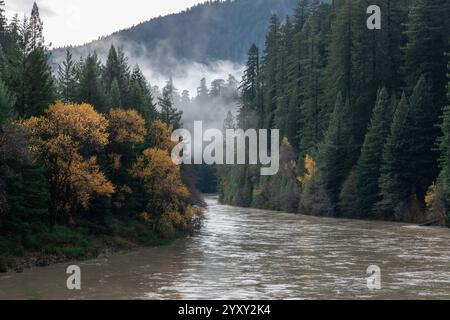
[(160, 65)]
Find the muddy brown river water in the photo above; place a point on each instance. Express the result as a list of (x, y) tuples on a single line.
[(256, 254)]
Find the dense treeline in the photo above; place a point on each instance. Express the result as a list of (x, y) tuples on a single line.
[(84, 156), (362, 112)]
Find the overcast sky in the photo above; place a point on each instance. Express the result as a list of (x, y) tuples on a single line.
[(74, 22)]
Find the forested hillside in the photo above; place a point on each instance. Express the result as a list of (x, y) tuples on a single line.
[(214, 30), (84, 155), (364, 113)]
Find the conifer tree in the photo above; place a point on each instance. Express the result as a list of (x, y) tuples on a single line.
[(140, 96), (396, 180), (428, 39), (117, 69), (301, 14), (270, 65), (444, 147), (424, 135), (250, 92), (410, 159), (202, 92), (115, 100), (285, 51), (3, 26), (28, 72), (369, 164), (169, 114), (336, 154), (28, 198), (309, 87), (6, 103), (67, 78), (91, 88)]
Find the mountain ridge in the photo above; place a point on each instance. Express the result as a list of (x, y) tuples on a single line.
[(214, 30)]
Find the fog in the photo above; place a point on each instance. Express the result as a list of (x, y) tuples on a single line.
[(161, 65)]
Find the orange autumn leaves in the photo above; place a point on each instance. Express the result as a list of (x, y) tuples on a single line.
[(71, 137), (160, 177), (80, 124), (162, 182), (126, 126)]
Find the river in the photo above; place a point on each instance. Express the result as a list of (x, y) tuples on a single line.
[(256, 254)]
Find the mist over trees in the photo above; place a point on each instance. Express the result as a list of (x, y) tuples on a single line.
[(213, 30)]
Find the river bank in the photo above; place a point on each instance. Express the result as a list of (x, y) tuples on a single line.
[(245, 253), (91, 247), (86, 241)]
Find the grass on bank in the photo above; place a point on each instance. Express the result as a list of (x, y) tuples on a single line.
[(84, 242)]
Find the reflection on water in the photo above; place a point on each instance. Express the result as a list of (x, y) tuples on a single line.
[(254, 254)]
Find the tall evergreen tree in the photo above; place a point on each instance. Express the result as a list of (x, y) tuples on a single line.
[(369, 164), (396, 180), (444, 147), (28, 198), (117, 69), (67, 78), (336, 153), (269, 73), (391, 41), (3, 26), (28, 73), (140, 96), (286, 125), (309, 83), (91, 88), (301, 14), (35, 27), (115, 100), (428, 34), (169, 114), (410, 159), (202, 92), (250, 92), (6, 103)]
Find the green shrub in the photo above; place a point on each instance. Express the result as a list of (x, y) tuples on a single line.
[(65, 241)]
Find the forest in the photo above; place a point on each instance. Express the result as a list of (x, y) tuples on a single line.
[(84, 154), (364, 114)]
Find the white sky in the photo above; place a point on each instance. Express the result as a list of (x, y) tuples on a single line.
[(74, 22)]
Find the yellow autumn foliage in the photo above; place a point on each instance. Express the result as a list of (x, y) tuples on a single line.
[(71, 136), (162, 181), (310, 169), (86, 179), (126, 126), (68, 135), (80, 122), (162, 136), (161, 177), (430, 197)]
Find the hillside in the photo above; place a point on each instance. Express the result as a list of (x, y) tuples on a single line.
[(215, 30)]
